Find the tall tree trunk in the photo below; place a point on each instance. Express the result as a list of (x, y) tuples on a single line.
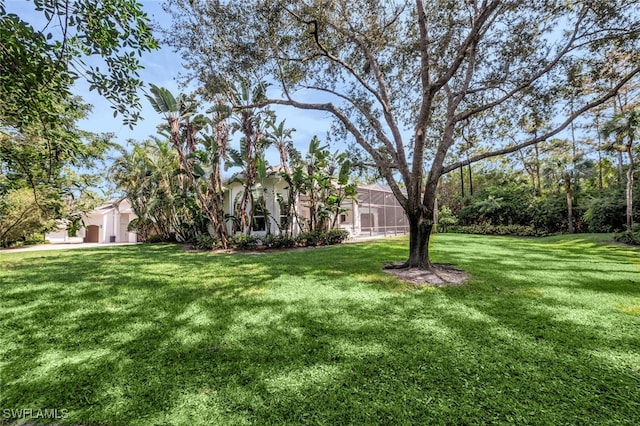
[(537, 187), (620, 167), (529, 169), (630, 189), (245, 227), (217, 204), (567, 187), (420, 226), (599, 151), (282, 149), (435, 216), (470, 178), (599, 165), (217, 192), (462, 181)]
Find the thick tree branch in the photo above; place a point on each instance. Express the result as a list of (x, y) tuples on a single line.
[(384, 166), (443, 147), (508, 150), (374, 122), (348, 67), (414, 185), (477, 28), (569, 46), (385, 100)]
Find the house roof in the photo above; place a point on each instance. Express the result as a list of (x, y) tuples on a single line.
[(377, 187), (120, 205), (275, 176)]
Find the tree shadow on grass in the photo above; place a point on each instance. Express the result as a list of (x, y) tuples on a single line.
[(582, 266), (318, 336), (82, 326)]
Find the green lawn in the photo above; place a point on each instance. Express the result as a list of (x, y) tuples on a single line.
[(546, 332)]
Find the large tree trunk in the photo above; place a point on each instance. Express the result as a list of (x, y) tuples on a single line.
[(420, 226), (599, 167), (620, 167), (470, 177), (435, 216)]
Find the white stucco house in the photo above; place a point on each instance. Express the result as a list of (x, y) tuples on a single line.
[(373, 212), (106, 224)]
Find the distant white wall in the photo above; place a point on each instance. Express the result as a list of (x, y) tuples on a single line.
[(109, 222)]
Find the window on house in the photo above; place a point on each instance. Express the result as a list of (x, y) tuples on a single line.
[(285, 219), (343, 218), (285, 222), (259, 223)]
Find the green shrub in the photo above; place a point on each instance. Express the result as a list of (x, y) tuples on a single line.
[(244, 242), (319, 238), (144, 228), (606, 212), (550, 214), (206, 242), (309, 238), (489, 229), (335, 236), (631, 238), (278, 241), (499, 205), (20, 217), (154, 238), (446, 219), (34, 239)]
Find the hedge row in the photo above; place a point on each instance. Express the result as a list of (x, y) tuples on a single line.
[(271, 241)]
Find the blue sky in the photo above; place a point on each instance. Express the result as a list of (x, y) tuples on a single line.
[(163, 68)]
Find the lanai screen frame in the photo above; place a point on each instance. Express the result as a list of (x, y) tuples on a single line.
[(385, 216)]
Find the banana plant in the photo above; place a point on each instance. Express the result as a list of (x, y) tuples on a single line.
[(280, 138), (250, 122), (197, 165)]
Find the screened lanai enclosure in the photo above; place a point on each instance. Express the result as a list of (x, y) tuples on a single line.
[(374, 212)]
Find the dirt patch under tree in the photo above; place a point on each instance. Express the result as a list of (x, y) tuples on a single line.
[(440, 275)]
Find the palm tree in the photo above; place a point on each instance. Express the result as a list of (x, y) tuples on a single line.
[(147, 174), (249, 122), (184, 128), (281, 139), (175, 111), (624, 127)]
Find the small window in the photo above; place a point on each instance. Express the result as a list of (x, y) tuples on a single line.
[(343, 218), (259, 224)]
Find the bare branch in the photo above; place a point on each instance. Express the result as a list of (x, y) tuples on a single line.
[(367, 114), (384, 100), (337, 60), (594, 103), (383, 165), (486, 12), (561, 54)]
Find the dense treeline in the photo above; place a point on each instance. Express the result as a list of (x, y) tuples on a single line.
[(554, 188), (48, 170)]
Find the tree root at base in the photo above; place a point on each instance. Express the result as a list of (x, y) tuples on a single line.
[(437, 274)]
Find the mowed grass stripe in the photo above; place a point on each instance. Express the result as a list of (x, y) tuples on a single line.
[(547, 331)]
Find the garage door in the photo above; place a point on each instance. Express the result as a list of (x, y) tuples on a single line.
[(93, 231)]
